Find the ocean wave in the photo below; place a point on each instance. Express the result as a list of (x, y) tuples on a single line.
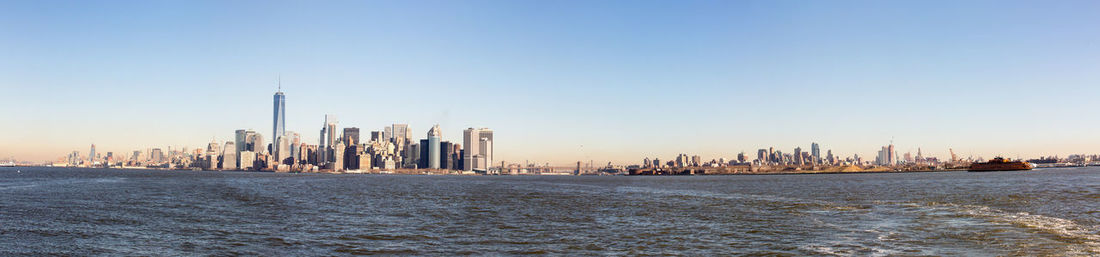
[(1082, 240), (730, 196)]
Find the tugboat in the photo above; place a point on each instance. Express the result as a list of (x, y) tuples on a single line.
[(999, 164)]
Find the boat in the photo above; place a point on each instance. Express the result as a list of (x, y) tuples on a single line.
[(999, 164)]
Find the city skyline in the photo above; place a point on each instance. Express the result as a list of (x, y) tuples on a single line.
[(576, 82)]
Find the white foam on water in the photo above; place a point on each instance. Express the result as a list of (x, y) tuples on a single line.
[(1089, 237), (826, 250), (13, 187), (32, 184), (731, 196)]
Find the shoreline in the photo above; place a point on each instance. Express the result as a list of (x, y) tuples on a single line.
[(461, 173)]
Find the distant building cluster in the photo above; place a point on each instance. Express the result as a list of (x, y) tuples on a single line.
[(798, 159), (338, 150)]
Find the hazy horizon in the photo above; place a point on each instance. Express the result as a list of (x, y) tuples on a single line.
[(559, 81)]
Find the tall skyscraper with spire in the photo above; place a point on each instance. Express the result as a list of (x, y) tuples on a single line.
[(279, 126), (327, 140)]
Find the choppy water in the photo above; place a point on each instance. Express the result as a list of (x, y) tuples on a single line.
[(123, 212)]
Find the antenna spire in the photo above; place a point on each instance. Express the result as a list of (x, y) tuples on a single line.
[(279, 81)]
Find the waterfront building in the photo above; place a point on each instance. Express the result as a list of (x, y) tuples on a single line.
[(470, 141), (290, 152), (157, 156), (387, 164), (435, 136), (447, 155), (91, 154), (352, 156), (423, 162), (364, 158), (338, 154), (282, 151), (248, 159), (486, 146), (484, 161), (229, 156), (413, 156), (211, 162)]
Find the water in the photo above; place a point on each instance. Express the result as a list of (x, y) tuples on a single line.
[(1054, 212)]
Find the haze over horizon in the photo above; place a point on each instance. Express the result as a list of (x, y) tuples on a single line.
[(559, 81)]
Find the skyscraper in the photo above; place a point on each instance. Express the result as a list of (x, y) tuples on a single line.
[(798, 156), (478, 151), (387, 134), (282, 152), (486, 147), (338, 154), (446, 153), (351, 136), (422, 163), (157, 155), (771, 155), (893, 155), (327, 140), (254, 142), (815, 152), (238, 140), (91, 154), (229, 156), (248, 158), (398, 133), (470, 143), (279, 119), (435, 135)]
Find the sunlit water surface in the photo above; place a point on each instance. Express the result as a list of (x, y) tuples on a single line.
[(136, 212)]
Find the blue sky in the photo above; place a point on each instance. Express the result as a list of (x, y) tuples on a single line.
[(559, 81)]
